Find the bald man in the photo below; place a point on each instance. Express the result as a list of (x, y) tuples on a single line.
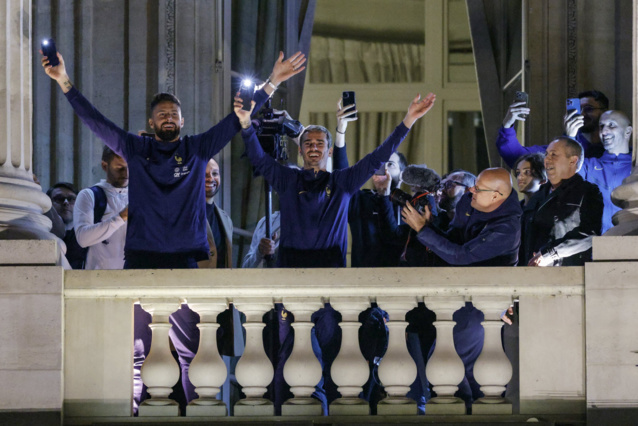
[(486, 228)]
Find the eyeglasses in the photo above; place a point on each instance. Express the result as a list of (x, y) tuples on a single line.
[(60, 199), (589, 108), (476, 189), (449, 184)]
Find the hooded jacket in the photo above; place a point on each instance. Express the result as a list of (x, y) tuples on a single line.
[(477, 238), (561, 223)]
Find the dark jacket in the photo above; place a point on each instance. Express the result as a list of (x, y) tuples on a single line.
[(477, 238), (562, 223)]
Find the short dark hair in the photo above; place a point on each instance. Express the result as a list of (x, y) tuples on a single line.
[(403, 162), (536, 162), (573, 149), (108, 154), (163, 97), (66, 185), (598, 97), (316, 128), (468, 179)]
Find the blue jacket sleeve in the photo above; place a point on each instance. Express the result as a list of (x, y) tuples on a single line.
[(339, 158), (494, 240), (390, 231), (113, 136), (352, 178), (510, 148), (279, 176), (215, 139)]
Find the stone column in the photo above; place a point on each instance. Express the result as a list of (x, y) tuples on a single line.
[(254, 370), (207, 371), (445, 369), (350, 370), (397, 370), (160, 371), (302, 370), (22, 201), (492, 369)]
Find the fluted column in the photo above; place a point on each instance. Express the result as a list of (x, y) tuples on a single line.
[(21, 200), (160, 371), (397, 369), (492, 369), (254, 370), (207, 371), (350, 370), (445, 368), (302, 370)]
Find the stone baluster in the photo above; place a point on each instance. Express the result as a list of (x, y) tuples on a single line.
[(397, 370), (254, 370), (445, 368), (22, 199), (160, 371), (302, 370), (626, 196), (492, 369), (207, 371), (350, 370)]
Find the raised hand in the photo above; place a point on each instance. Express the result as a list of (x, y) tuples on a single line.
[(58, 72), (572, 122), (345, 115), (516, 111), (414, 219), (382, 183), (418, 108), (283, 70), (242, 114)]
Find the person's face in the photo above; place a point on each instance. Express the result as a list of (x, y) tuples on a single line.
[(116, 172), (212, 180), (482, 195), (314, 150), (615, 131), (525, 179), (393, 167), (591, 111), (558, 164), (63, 200), (166, 121)]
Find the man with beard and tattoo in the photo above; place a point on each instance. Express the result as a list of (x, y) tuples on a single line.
[(167, 213)]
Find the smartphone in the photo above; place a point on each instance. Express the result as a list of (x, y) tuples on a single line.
[(246, 93), (522, 97), (348, 99), (49, 50), (573, 104), (381, 170)]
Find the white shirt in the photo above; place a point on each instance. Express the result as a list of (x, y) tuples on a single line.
[(105, 239), (254, 259)]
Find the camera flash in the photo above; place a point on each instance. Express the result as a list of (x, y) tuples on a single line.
[(247, 82), (45, 42)]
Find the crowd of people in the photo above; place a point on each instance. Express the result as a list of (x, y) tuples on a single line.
[(155, 210)]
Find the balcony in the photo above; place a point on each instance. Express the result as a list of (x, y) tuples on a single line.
[(68, 339)]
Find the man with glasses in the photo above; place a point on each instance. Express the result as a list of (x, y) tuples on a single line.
[(63, 195), (452, 187)]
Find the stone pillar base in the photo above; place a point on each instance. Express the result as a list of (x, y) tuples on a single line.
[(168, 410), (479, 407), (453, 408), (312, 408), (251, 410), (196, 410), (389, 409), (359, 407)]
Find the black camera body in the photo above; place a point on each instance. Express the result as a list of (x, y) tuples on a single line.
[(272, 125), (418, 201)]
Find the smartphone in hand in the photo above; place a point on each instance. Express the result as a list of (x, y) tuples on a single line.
[(246, 93), (347, 98), (49, 50), (381, 170), (522, 97), (573, 104)]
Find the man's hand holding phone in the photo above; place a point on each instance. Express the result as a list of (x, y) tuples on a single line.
[(573, 119), (58, 72), (518, 111)]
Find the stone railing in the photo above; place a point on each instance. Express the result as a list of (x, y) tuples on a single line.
[(98, 338)]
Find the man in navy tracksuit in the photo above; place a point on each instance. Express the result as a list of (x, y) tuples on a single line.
[(314, 207), (167, 215)]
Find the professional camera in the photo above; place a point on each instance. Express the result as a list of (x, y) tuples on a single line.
[(272, 125), (419, 201)]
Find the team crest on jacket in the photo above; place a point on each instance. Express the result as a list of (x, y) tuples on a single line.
[(328, 190), (179, 160)]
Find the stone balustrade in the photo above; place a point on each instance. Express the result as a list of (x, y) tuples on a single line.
[(98, 338)]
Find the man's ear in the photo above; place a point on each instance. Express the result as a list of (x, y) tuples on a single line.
[(330, 152), (150, 124), (628, 131), (181, 124), (104, 165)]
